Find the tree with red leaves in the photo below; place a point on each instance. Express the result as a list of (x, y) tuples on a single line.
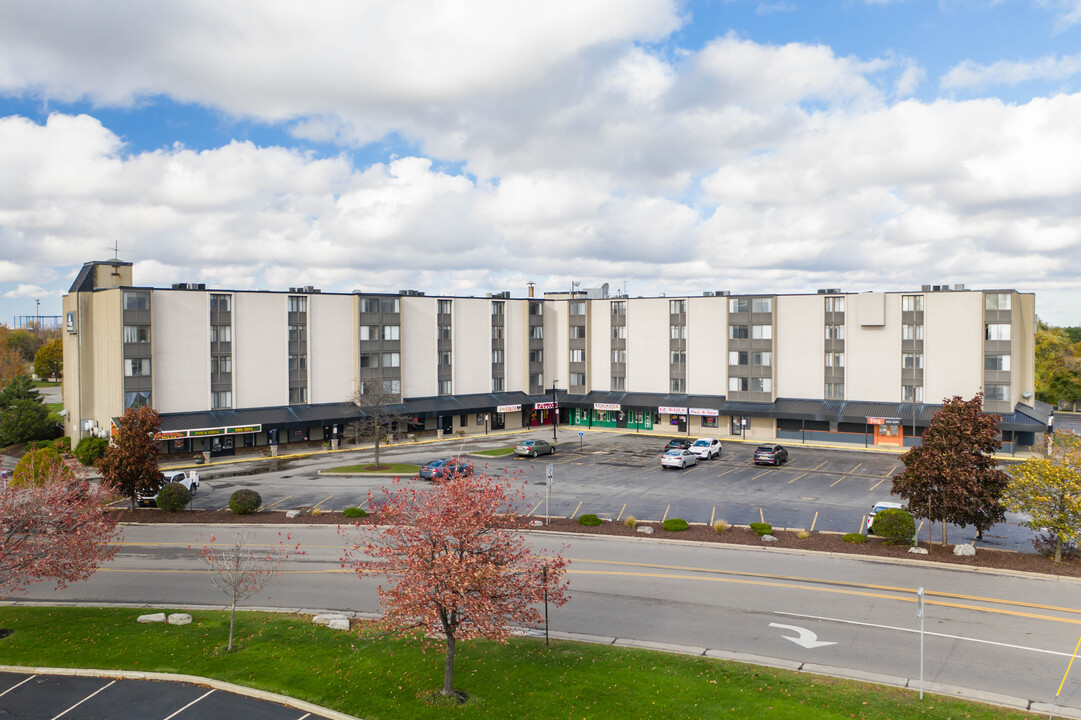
[(130, 463), (454, 561), (56, 529)]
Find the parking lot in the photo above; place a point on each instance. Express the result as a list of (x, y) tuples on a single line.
[(618, 475)]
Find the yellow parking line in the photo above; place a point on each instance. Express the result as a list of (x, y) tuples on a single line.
[(761, 474), (838, 480), (535, 507), (879, 483), (820, 465), (761, 515), (891, 471), (856, 468), (712, 514), (621, 512), (814, 521), (666, 513), (796, 478), (576, 510), (278, 502), (328, 497), (361, 506), (728, 471)]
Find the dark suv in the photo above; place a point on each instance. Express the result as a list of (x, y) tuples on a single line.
[(770, 455), (679, 444)]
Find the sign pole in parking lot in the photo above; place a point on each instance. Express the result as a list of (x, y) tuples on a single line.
[(581, 440), (549, 476)]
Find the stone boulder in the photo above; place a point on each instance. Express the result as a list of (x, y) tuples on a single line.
[(334, 621), (768, 538), (918, 550), (152, 618), (646, 529), (292, 513), (966, 549), (179, 619)]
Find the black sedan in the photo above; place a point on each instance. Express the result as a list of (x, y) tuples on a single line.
[(770, 455), (444, 468), (678, 444)]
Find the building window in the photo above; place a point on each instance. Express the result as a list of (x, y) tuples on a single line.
[(835, 391), (619, 356), (762, 305), (678, 357), (369, 332), (619, 307), (912, 303), (444, 307), (764, 359), (997, 392), (738, 384), (536, 332), (761, 332), (136, 367), (390, 332), (677, 385), (221, 364), (444, 332), (619, 332), (298, 333), (369, 305), (761, 384), (298, 395), (835, 304), (388, 305), (497, 385), (497, 308), (996, 362), (535, 308), (138, 399), (497, 357), (369, 360), (996, 301), (221, 399), (298, 363), (392, 359), (738, 357), (912, 361), (136, 301), (619, 382), (677, 307), (578, 332), (393, 387), (578, 379), (444, 387), (912, 393), (536, 356), (221, 333), (298, 304), (835, 332), (578, 356), (220, 303), (444, 359), (835, 360), (136, 333), (578, 308), (739, 305), (677, 332), (536, 380), (497, 332), (912, 332), (737, 332), (998, 331)]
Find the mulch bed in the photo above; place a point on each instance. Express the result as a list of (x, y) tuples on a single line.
[(816, 542)]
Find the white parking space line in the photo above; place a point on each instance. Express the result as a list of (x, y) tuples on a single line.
[(111, 683), (188, 705), (28, 679)]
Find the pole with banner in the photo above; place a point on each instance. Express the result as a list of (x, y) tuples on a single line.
[(549, 476)]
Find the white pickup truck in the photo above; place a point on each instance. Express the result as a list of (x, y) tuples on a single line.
[(190, 480)]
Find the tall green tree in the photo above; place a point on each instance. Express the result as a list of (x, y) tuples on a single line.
[(24, 342), (11, 361), (130, 464), (49, 360), (23, 414), (952, 476), (1049, 490)]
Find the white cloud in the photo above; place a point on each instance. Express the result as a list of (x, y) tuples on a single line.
[(26, 291), (968, 74), (1067, 12)]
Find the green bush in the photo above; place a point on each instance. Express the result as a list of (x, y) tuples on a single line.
[(245, 501), (174, 497), (895, 526), (853, 538), (62, 444), (589, 520), (90, 449), (675, 525), (761, 529), (353, 512)]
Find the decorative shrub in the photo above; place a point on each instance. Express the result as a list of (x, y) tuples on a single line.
[(589, 520), (631, 521), (895, 526), (316, 512), (173, 497), (354, 512), (245, 501), (761, 529), (803, 534), (90, 449), (62, 444), (853, 538), (721, 527), (675, 525), (39, 465)]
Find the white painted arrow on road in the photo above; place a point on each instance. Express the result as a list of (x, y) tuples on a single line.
[(807, 638)]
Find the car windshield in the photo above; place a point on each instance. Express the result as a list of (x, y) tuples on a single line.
[(701, 443), (764, 449), (527, 443), (436, 463), (677, 451)]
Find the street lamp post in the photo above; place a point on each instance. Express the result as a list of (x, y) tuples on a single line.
[(555, 412)]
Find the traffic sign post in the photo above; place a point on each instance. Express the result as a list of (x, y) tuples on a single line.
[(581, 441), (549, 477)]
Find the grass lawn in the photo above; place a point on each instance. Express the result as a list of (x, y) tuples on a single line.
[(385, 679), (495, 452), (396, 468), (43, 383)]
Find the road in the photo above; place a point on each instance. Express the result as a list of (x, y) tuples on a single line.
[(992, 633), (615, 475)]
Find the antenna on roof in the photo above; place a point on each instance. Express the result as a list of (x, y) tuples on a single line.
[(116, 257)]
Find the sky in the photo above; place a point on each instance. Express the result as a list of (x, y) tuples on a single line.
[(470, 147)]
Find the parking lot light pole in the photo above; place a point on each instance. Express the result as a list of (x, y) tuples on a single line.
[(555, 412)]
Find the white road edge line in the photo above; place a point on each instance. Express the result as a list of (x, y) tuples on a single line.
[(190, 704), (111, 683), (913, 630), (28, 679)]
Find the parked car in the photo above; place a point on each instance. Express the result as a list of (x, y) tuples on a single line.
[(678, 444), (188, 480), (884, 505), (678, 458), (707, 448), (770, 455), (533, 448), (444, 468)]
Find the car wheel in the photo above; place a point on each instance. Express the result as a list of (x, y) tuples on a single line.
[(552, 451), (534, 454), (194, 489)]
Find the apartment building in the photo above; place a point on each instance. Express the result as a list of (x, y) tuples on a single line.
[(236, 368)]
